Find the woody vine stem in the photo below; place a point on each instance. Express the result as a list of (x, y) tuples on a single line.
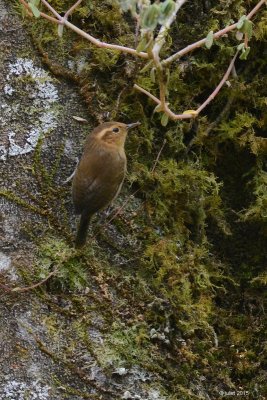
[(148, 17)]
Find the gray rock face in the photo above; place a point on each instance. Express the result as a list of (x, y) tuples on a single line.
[(33, 106), (35, 110)]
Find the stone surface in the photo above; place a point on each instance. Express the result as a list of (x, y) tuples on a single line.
[(33, 104)]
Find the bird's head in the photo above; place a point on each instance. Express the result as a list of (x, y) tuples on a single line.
[(113, 133)]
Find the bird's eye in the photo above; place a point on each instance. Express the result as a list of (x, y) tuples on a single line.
[(115, 130)]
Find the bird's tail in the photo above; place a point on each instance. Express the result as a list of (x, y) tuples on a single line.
[(82, 230)]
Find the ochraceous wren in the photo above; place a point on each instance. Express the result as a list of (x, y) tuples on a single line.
[(100, 173)]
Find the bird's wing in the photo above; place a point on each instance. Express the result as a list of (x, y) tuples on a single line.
[(95, 186), (82, 192)]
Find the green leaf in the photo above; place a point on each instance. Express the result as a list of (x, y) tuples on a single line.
[(239, 35), (192, 112), (141, 45), (126, 5), (241, 46), (164, 120), (158, 108), (60, 30), (150, 17), (247, 28), (166, 10), (244, 54), (244, 25), (241, 22), (35, 10), (152, 75), (209, 40), (168, 75), (146, 67), (35, 2)]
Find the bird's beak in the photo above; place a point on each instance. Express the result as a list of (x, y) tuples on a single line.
[(133, 125)]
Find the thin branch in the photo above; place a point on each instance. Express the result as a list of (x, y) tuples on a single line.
[(216, 35), (162, 94), (5, 288), (218, 88), (34, 286), (167, 110), (28, 288), (26, 5), (49, 18), (158, 156), (159, 42), (50, 8), (93, 40), (196, 45), (174, 116), (155, 99), (70, 11), (255, 9), (105, 45)]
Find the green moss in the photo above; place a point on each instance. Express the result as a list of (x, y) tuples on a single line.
[(122, 346), (257, 210), (185, 280)]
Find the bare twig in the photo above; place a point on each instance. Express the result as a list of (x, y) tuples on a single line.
[(5, 288), (105, 45), (167, 110), (173, 116), (70, 11), (66, 15), (158, 156), (31, 287), (255, 9), (216, 35), (218, 88), (48, 17), (26, 6), (34, 286), (50, 8), (154, 98), (91, 39), (162, 94)]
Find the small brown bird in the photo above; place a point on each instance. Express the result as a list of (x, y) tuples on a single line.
[(100, 173)]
